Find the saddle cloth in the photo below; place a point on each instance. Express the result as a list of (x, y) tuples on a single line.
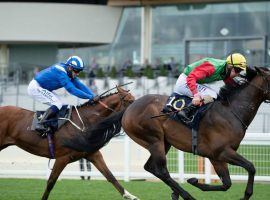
[(65, 112), (181, 102)]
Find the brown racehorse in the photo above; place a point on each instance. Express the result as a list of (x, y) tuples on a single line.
[(14, 130), (221, 130)]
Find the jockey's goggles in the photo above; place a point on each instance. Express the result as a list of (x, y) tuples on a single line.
[(77, 71), (237, 69)]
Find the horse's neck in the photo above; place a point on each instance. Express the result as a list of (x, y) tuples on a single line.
[(99, 109), (246, 103)]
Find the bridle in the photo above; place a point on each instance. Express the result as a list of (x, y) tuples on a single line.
[(122, 99), (265, 92)]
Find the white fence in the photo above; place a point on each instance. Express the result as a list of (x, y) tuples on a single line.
[(128, 164), (125, 158)]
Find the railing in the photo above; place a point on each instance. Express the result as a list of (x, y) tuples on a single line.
[(130, 165), (131, 158)]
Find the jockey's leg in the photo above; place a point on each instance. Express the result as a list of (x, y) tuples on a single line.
[(49, 114), (208, 95), (47, 97), (188, 111), (191, 109)]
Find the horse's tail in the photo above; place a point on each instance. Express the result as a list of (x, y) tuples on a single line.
[(97, 136)]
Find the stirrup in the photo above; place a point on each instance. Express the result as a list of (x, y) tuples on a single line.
[(183, 116)]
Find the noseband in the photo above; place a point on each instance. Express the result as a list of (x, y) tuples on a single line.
[(122, 98)]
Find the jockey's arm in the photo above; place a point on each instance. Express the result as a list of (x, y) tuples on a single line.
[(202, 71), (78, 84), (70, 87)]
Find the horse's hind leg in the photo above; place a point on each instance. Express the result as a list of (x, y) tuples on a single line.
[(59, 165), (98, 161), (222, 171), (156, 165)]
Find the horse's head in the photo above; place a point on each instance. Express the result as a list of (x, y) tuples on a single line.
[(264, 76), (115, 101), (125, 96)]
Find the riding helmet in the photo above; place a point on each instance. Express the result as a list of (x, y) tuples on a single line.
[(75, 62), (237, 60)]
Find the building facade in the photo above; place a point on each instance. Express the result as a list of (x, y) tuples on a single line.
[(187, 32), (111, 36)]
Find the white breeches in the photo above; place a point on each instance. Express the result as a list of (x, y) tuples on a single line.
[(182, 88), (44, 96)]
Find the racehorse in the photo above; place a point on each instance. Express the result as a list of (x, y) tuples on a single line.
[(14, 130), (221, 130)]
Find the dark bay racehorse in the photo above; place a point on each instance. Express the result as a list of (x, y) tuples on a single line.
[(220, 132), (15, 130)]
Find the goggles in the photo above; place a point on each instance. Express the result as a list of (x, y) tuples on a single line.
[(77, 71), (237, 69)]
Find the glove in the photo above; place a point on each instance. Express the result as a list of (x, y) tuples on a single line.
[(197, 100)]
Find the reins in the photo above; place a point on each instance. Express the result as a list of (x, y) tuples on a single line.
[(73, 123), (106, 106), (121, 98), (82, 129)]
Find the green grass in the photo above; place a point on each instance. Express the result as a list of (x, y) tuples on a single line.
[(29, 189)]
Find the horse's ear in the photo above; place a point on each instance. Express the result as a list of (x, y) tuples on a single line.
[(258, 70), (118, 88)]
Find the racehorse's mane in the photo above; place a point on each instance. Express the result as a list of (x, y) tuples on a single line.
[(227, 91), (97, 136)]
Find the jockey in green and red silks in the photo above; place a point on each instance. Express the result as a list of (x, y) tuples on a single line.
[(191, 82)]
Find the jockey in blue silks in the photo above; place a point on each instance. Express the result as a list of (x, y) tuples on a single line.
[(60, 75)]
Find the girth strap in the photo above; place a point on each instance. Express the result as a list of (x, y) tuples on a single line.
[(194, 141), (50, 137)]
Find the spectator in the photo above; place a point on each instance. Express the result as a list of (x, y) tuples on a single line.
[(94, 87), (91, 76), (85, 163)]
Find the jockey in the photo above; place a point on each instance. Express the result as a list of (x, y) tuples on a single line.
[(191, 82), (58, 76)]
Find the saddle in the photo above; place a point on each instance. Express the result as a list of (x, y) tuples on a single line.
[(181, 102), (55, 122)]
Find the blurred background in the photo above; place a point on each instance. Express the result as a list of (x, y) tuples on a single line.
[(146, 42)]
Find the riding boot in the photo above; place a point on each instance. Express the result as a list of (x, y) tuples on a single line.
[(187, 112), (49, 114)]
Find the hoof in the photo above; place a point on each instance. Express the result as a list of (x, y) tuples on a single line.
[(192, 181), (129, 196), (175, 196)]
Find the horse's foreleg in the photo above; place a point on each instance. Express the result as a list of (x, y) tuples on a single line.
[(156, 165), (232, 157), (98, 161), (59, 165), (222, 171)]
